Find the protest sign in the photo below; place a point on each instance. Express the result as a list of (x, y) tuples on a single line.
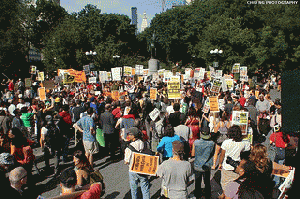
[(236, 68), (174, 88), (287, 184), (229, 83), (218, 73), (244, 78), (153, 93), (27, 82), (94, 73), (197, 73), (224, 85), (92, 80), (33, 70), (102, 76), (41, 76), (115, 95), (140, 78), (243, 71), (240, 118), (42, 93), (213, 104), (68, 79), (144, 164), (256, 94), (161, 72), (127, 71), (116, 74), (154, 114), (202, 72), (124, 93), (49, 84), (227, 76), (216, 86), (108, 76), (212, 71), (79, 76), (167, 76), (208, 75), (145, 72), (133, 71), (86, 69), (206, 106), (139, 69)]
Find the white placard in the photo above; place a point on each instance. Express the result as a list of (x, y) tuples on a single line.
[(116, 74)]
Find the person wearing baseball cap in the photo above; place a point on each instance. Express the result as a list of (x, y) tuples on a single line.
[(203, 151)]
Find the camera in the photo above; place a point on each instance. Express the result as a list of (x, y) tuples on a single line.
[(233, 163)]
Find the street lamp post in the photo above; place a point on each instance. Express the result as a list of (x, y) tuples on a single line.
[(91, 53), (216, 52)]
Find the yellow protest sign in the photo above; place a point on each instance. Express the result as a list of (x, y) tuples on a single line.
[(153, 93), (174, 87), (41, 76), (127, 71), (256, 94), (213, 104), (144, 164), (42, 93)]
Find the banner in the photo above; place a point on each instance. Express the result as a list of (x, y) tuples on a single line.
[(127, 71), (139, 69), (240, 118), (116, 74), (102, 76), (216, 86), (236, 68), (41, 76), (68, 79), (49, 84), (214, 104), (229, 83), (92, 80), (79, 76), (144, 164), (174, 88), (42, 93), (27, 82), (153, 93)]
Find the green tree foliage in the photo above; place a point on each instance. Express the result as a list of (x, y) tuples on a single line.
[(256, 36)]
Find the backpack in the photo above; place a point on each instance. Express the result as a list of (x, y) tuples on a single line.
[(53, 135), (145, 150)]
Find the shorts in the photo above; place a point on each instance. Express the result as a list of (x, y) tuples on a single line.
[(227, 176), (91, 147)]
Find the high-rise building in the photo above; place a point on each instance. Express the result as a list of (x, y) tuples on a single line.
[(134, 16), (144, 22)]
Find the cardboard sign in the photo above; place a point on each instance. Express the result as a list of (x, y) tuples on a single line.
[(144, 164), (116, 74), (240, 118), (153, 93), (213, 104), (42, 93), (127, 71), (174, 88), (49, 84), (27, 82), (236, 68), (92, 80)]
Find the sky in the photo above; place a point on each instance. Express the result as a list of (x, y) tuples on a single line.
[(151, 7)]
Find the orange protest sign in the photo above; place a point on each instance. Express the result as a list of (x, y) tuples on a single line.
[(256, 94), (115, 95), (153, 93), (144, 164), (42, 93), (213, 104), (79, 76), (133, 71)]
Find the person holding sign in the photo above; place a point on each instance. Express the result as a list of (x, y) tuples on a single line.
[(134, 137)]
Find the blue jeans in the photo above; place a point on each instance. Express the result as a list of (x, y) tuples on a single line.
[(134, 179), (279, 158)]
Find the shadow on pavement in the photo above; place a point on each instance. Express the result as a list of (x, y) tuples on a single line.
[(112, 195)]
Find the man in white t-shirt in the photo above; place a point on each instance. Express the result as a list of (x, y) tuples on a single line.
[(232, 148)]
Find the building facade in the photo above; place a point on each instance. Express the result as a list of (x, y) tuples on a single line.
[(144, 22)]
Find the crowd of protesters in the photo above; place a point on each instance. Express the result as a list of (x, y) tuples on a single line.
[(188, 140)]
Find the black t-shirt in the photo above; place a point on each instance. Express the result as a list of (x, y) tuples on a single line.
[(76, 113)]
